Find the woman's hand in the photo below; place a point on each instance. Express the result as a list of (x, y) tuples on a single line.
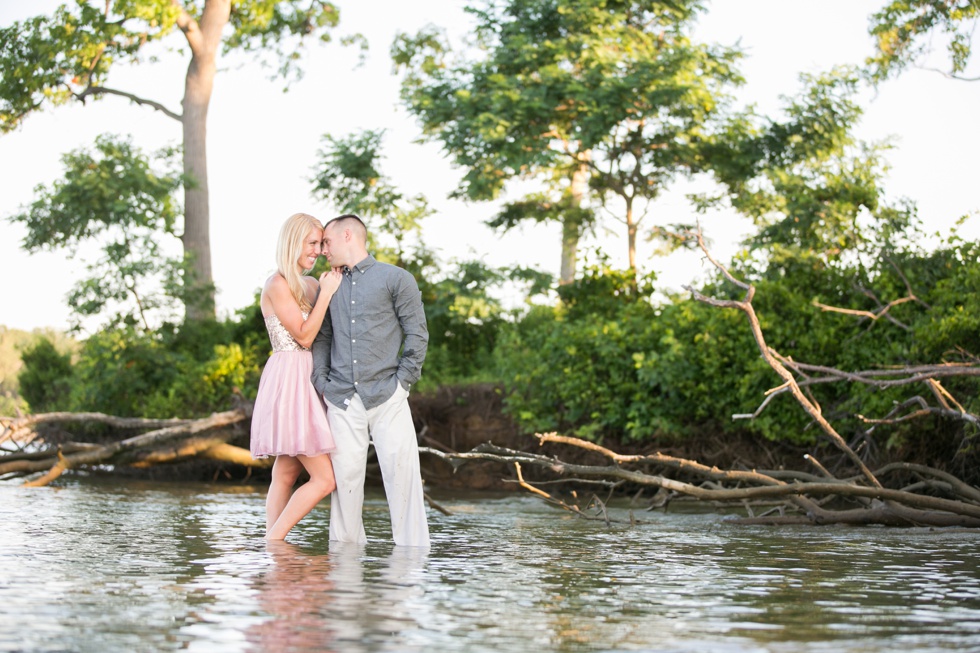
[(330, 281)]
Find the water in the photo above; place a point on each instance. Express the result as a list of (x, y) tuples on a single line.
[(106, 566)]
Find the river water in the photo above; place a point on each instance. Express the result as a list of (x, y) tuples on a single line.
[(103, 566)]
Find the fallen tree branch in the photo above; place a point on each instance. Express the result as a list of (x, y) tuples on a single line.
[(17, 428), (888, 507), (153, 440)]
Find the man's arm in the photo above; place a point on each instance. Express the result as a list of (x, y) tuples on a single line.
[(321, 354), (411, 317)]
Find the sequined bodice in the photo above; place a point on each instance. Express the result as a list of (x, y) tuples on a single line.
[(280, 338)]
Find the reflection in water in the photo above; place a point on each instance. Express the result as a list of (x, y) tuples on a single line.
[(375, 599), (89, 567), (295, 592), (323, 601)]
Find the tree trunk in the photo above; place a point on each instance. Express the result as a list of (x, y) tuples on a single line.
[(631, 239), (571, 229), (204, 39)]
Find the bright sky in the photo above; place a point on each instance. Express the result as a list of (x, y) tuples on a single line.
[(262, 145)]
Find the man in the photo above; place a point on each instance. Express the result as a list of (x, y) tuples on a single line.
[(366, 357)]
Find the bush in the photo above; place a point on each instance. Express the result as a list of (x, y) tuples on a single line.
[(607, 363), (46, 378), (188, 372)]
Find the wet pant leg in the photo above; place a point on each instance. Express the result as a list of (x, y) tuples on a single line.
[(350, 433), (396, 444)]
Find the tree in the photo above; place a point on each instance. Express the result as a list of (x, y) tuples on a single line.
[(348, 175), (68, 56), (113, 195), (810, 187), (904, 31), (573, 93)]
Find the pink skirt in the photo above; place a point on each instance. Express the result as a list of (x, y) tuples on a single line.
[(289, 417)]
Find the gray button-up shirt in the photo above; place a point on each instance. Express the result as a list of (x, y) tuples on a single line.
[(374, 336)]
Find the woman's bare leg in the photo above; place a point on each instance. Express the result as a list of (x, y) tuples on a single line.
[(306, 496), (285, 471)]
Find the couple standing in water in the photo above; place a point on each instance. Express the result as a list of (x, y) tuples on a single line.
[(346, 351)]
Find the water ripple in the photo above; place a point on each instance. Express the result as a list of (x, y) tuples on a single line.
[(99, 566)]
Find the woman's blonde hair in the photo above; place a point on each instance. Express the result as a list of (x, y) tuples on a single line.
[(292, 237)]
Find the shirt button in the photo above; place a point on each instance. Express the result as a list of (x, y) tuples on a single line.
[(353, 339)]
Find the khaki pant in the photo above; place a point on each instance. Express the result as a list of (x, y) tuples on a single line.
[(391, 429)]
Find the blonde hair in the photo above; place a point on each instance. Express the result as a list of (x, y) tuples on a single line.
[(292, 237)]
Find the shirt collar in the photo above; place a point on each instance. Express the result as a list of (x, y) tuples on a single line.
[(364, 264)]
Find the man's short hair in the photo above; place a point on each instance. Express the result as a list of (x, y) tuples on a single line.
[(346, 217)]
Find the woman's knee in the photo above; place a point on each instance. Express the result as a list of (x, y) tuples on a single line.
[(323, 478), (320, 469), (286, 474)]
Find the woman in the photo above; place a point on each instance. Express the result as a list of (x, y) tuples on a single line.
[(289, 420)]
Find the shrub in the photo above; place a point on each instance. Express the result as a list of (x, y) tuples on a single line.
[(46, 377)]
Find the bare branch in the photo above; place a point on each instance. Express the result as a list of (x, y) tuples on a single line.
[(102, 90), (151, 440), (949, 75), (17, 428), (767, 353), (872, 315), (889, 507)]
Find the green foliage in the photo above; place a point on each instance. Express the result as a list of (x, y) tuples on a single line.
[(69, 54), (549, 80), (812, 190), (54, 58), (464, 321), (204, 386), (578, 377), (13, 342), (115, 197), (260, 26), (602, 290), (187, 372), (46, 378), (554, 88), (348, 174), (951, 329), (114, 188), (610, 364), (905, 31)]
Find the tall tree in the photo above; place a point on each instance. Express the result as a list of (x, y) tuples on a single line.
[(905, 31), (68, 56), (579, 95)]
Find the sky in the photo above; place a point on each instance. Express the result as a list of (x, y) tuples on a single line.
[(263, 144)]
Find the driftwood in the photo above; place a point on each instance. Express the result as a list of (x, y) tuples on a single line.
[(798, 493), (171, 441), (935, 499), (22, 430)]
